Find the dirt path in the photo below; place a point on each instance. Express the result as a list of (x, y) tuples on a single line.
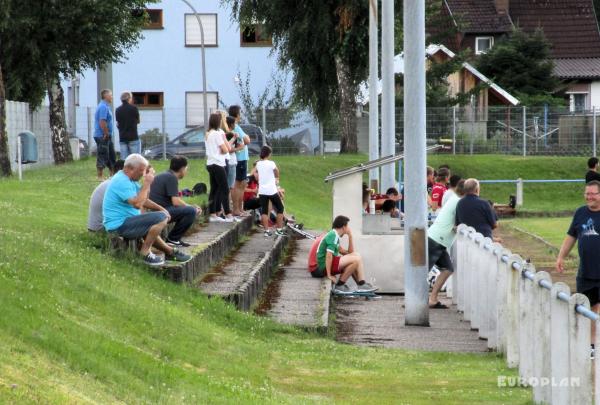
[(541, 254)]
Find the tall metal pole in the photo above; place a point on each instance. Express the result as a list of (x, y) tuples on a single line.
[(204, 97), (415, 205), (594, 132), (373, 97), (524, 131), (388, 128)]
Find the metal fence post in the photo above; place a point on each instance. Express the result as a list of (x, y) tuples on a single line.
[(454, 130), (594, 131), (164, 133), (524, 131), (264, 125)]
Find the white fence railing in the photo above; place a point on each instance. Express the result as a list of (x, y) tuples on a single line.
[(539, 326)]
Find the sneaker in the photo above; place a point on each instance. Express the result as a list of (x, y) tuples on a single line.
[(366, 287), (228, 219), (237, 219), (280, 231), (177, 243), (268, 233), (214, 218), (178, 256), (152, 260), (343, 289)]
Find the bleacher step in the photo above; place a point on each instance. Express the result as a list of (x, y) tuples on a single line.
[(242, 277), (301, 300)]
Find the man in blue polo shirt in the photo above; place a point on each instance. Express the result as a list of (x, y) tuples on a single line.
[(103, 135), (241, 171), (474, 211), (123, 200)]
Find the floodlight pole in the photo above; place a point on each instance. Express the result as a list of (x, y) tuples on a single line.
[(415, 222), (204, 97), (388, 92), (373, 96)]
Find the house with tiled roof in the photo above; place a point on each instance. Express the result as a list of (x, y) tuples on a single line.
[(570, 26)]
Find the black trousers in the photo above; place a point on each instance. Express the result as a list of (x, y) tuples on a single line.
[(184, 218), (219, 190)]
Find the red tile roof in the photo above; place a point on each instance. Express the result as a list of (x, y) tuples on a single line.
[(577, 68), (569, 25), (478, 16)]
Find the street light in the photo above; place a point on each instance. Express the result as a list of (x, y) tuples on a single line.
[(204, 100)]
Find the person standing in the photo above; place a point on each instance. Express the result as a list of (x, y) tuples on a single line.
[(268, 180), (585, 230), (592, 173), (103, 135), (474, 211), (216, 150), (128, 118), (241, 171)]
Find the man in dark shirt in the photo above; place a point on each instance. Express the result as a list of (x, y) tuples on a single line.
[(474, 211), (592, 173), (585, 230), (128, 118), (165, 192)]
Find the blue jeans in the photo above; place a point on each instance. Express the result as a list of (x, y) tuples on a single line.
[(127, 148), (138, 226)]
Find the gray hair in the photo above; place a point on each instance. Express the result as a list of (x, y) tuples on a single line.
[(126, 96), (471, 186), (104, 93), (135, 160)]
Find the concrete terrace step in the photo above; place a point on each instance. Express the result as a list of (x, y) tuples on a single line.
[(299, 299), (241, 278), (208, 247)]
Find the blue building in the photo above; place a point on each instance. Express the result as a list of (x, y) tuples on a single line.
[(164, 70)]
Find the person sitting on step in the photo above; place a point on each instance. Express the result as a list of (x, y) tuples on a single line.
[(123, 200), (328, 259)]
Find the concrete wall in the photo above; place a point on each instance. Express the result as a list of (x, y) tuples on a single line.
[(595, 94)]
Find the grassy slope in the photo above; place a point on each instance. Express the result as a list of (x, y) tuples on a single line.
[(80, 326), (553, 230)]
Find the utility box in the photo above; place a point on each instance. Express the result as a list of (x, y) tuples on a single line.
[(29, 148)]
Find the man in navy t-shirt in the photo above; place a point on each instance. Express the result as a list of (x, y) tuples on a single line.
[(474, 211), (585, 230)]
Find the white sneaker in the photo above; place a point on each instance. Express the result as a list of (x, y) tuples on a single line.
[(228, 219), (214, 218)]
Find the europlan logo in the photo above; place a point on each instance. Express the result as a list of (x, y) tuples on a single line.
[(510, 381)]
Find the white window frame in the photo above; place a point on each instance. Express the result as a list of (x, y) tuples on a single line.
[(192, 30), (194, 106), (477, 50), (572, 100)]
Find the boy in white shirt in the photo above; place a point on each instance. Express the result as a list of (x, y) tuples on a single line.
[(268, 179)]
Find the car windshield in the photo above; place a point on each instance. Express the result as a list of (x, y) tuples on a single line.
[(193, 136)]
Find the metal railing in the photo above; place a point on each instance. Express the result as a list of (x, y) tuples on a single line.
[(538, 325)]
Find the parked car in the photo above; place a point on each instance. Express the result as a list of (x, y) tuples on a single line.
[(191, 143)]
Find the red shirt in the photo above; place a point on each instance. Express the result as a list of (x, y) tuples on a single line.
[(437, 192), (250, 195)]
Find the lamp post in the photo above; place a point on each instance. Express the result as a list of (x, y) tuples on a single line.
[(204, 100)]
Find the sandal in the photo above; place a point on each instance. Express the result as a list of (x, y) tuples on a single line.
[(438, 305)]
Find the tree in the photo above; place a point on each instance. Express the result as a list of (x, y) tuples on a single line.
[(51, 39), (521, 64), (324, 44), (4, 155)]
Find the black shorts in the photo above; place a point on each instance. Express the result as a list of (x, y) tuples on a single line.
[(275, 200), (241, 170), (439, 256), (590, 288)]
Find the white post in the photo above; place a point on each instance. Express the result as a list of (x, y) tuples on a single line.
[(321, 146), (559, 343), (388, 122), (524, 131), (502, 293), (454, 130), (484, 295), (594, 132), (164, 132), (580, 367), (20, 158), (475, 282), (461, 247), (493, 294), (519, 192), (264, 126), (542, 393), (526, 339), (512, 314), (373, 80), (415, 252)]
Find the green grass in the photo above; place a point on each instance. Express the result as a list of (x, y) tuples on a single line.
[(552, 230), (79, 326)]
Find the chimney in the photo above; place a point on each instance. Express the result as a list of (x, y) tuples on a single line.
[(502, 6)]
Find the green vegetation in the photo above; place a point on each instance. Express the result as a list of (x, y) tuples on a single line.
[(552, 230), (80, 326)]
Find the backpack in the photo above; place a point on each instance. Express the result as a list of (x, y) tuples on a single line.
[(312, 255), (199, 188)]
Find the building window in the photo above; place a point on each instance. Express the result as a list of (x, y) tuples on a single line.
[(192, 30), (577, 102), (148, 99), (155, 19), (194, 106), (483, 44), (255, 35)]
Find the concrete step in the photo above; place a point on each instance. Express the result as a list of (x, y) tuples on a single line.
[(297, 297), (241, 278), (210, 245)]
